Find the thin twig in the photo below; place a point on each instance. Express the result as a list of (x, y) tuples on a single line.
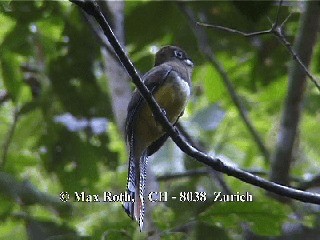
[(295, 56), (92, 9), (190, 173), (231, 30), (293, 104), (217, 176), (285, 20), (278, 13), (275, 30), (205, 48)]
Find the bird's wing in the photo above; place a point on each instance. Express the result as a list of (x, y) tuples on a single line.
[(156, 145), (152, 79), (137, 164)]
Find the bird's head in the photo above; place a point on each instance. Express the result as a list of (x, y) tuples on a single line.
[(172, 53)]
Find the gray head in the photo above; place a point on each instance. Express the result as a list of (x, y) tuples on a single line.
[(172, 53)]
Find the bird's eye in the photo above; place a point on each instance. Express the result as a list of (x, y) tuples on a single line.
[(178, 54)]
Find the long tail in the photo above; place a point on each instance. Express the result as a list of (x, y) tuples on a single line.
[(142, 186), (136, 186)]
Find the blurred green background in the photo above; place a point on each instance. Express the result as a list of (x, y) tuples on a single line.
[(58, 132)]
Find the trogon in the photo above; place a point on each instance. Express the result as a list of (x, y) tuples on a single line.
[(169, 81)]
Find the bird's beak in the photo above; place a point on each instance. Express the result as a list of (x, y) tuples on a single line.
[(188, 62)]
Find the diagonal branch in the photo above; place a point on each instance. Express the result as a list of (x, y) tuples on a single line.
[(205, 48), (217, 176), (92, 9), (277, 31), (276, 22), (189, 173), (293, 105), (231, 30)]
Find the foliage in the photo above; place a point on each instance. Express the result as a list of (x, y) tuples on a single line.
[(51, 66)]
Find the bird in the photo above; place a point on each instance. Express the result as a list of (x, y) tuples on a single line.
[(169, 81)]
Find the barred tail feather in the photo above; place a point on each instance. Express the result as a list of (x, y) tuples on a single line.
[(136, 184), (132, 181), (142, 185)]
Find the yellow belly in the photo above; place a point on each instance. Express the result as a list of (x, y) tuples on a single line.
[(172, 98)]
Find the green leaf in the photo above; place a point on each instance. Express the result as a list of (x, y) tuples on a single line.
[(16, 41), (264, 217), (12, 78), (13, 230), (6, 206), (271, 97), (6, 26), (214, 88), (205, 231)]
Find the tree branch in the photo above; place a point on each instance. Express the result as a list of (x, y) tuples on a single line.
[(231, 30), (217, 176), (302, 185), (92, 9), (190, 173), (205, 48), (304, 43), (276, 30)]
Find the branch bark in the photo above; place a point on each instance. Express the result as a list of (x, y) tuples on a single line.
[(216, 176), (304, 43)]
